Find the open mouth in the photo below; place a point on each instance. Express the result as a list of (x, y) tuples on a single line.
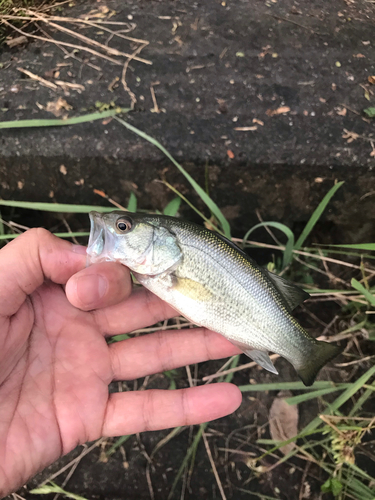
[(97, 237)]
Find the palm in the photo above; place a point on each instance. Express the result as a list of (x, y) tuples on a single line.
[(61, 380)]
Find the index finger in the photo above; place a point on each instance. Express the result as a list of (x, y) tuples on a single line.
[(140, 310)]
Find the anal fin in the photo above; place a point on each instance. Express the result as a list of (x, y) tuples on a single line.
[(260, 357)]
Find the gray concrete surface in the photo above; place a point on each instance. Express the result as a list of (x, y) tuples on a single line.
[(219, 66)]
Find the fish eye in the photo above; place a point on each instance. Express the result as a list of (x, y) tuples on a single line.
[(124, 224)]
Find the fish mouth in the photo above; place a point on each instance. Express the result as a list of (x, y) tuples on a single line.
[(97, 238)]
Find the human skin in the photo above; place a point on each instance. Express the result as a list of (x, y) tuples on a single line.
[(55, 363)]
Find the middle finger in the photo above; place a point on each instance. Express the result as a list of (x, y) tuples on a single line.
[(166, 350)]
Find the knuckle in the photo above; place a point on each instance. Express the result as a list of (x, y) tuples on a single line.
[(148, 410), (185, 408), (165, 351)]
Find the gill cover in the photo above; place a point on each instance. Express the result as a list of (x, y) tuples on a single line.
[(163, 253)]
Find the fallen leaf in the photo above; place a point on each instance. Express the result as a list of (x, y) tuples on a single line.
[(266, 50), (100, 193), (295, 10), (18, 40), (283, 421), (58, 107), (341, 111), (63, 169), (278, 111), (230, 154), (349, 136), (371, 79)]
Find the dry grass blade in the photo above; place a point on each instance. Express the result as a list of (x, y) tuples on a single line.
[(39, 79), (307, 254), (89, 41), (98, 24), (236, 369), (72, 462), (131, 94), (283, 421), (65, 44), (214, 470)]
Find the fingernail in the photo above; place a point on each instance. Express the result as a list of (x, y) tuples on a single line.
[(79, 249), (91, 288)]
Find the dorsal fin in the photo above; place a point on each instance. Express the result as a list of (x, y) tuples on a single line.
[(293, 294)]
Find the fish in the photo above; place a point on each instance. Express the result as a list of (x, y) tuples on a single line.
[(213, 283)]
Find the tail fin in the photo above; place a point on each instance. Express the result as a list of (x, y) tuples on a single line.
[(321, 354)]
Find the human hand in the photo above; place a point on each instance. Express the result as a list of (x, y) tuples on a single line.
[(55, 365)]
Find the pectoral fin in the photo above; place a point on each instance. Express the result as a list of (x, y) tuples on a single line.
[(260, 357)]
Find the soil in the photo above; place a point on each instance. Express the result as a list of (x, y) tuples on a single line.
[(220, 65)]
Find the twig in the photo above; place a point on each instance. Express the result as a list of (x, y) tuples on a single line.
[(66, 480), (236, 369), (39, 79), (156, 108), (214, 470), (123, 75), (300, 252), (103, 195), (72, 462), (188, 372), (149, 483), (66, 44), (294, 22), (66, 52), (350, 109), (65, 222), (89, 41), (356, 361)]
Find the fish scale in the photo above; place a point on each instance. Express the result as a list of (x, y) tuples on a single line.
[(212, 282)]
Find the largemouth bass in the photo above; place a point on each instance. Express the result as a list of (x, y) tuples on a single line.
[(213, 283)]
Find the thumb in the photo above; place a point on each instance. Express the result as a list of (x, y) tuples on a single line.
[(31, 258)]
